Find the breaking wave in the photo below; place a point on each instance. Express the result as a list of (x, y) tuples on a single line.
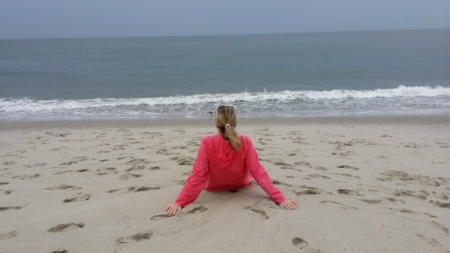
[(281, 103)]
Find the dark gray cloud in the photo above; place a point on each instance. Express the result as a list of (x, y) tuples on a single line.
[(111, 18)]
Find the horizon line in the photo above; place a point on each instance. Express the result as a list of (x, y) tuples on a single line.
[(219, 35)]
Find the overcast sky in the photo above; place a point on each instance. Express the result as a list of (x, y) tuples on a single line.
[(114, 18)]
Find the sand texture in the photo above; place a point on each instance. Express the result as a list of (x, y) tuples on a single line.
[(365, 185)]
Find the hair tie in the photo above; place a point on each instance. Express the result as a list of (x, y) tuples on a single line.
[(227, 126)]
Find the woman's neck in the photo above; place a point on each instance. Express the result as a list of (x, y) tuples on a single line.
[(223, 136)]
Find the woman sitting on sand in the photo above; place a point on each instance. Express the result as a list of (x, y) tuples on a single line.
[(228, 162)]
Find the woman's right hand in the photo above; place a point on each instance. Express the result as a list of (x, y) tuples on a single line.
[(173, 209)]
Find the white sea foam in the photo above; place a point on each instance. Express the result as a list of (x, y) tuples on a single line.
[(26, 104), (286, 102)]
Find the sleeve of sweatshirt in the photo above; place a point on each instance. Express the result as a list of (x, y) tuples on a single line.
[(196, 181), (260, 175)]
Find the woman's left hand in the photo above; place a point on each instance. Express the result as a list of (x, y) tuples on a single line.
[(173, 209), (288, 204)]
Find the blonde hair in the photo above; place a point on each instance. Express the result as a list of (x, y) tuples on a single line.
[(226, 120)]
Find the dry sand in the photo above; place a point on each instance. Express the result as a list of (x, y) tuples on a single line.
[(361, 184)]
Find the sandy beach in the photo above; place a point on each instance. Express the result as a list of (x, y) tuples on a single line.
[(373, 184)]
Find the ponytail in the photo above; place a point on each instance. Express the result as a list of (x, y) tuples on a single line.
[(233, 137), (226, 120)]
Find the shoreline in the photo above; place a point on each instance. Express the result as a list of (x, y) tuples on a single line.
[(341, 120)]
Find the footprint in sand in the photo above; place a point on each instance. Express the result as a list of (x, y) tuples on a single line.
[(9, 235), (142, 188), (347, 167), (371, 201), (261, 213), (7, 192), (137, 161), (60, 251), (440, 204), (290, 168), (136, 167), (348, 153), (320, 168), (349, 192), (302, 244), (113, 190), (391, 175), (83, 197), (105, 171), (58, 149), (4, 183), (82, 170), (194, 143), (162, 151), (430, 215), (433, 243), (180, 147), (6, 208), (135, 189), (258, 208), (68, 163), (440, 227), (318, 176), (35, 165), (435, 224), (62, 172), (311, 191), (407, 193), (199, 209), (343, 174), (183, 160), (29, 176), (440, 195), (63, 187), (387, 200), (338, 204), (135, 238), (281, 164), (129, 175), (159, 217), (80, 158), (276, 182), (305, 164), (180, 182), (65, 227)]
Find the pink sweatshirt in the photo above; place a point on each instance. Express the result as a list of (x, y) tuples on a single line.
[(219, 167)]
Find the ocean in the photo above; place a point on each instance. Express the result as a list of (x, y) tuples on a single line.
[(278, 75)]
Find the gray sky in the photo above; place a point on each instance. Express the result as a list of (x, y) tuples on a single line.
[(114, 18)]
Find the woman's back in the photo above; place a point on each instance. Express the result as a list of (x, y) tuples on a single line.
[(227, 168), (219, 168)]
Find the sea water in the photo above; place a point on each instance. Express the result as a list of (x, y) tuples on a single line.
[(278, 75)]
